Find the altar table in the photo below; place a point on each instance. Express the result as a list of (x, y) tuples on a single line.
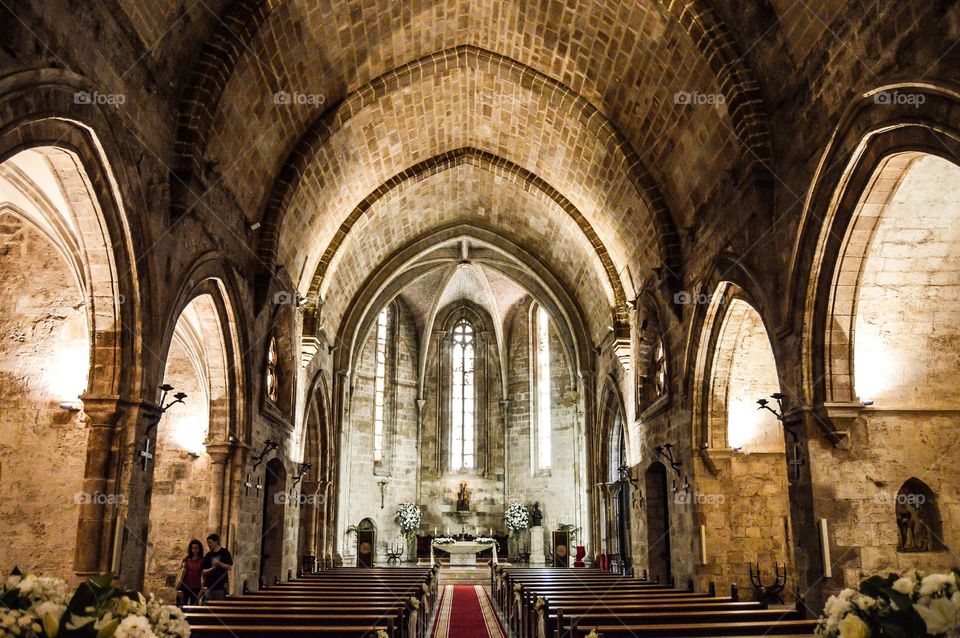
[(463, 553)]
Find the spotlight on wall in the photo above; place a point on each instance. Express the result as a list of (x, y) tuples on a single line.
[(253, 226), (867, 403), (72, 406)]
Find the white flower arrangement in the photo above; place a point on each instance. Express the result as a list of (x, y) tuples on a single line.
[(516, 517), (44, 606), (443, 540), (910, 605), (484, 540), (408, 517)]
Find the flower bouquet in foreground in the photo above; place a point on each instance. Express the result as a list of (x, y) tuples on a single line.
[(484, 540), (44, 607), (407, 517), (895, 606), (443, 540)]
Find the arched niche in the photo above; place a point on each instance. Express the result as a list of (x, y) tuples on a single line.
[(919, 526)]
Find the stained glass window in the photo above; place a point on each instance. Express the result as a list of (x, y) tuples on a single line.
[(271, 371), (463, 397), (659, 370)]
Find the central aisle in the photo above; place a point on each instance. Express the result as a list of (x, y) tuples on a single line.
[(466, 612)]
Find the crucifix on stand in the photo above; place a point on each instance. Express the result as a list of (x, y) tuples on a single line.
[(145, 454)]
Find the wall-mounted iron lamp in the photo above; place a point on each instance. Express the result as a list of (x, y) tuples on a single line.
[(796, 460), (146, 454), (268, 446), (665, 452), (304, 468)]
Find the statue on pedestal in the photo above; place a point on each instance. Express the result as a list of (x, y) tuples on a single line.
[(536, 516), (463, 498)]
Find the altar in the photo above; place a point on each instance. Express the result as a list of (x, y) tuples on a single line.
[(464, 553)]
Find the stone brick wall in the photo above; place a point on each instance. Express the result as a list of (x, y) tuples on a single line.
[(555, 489), (400, 444), (43, 361)]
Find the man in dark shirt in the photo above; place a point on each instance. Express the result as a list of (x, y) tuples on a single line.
[(216, 568)]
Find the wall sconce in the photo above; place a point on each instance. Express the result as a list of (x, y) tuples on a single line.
[(796, 460), (665, 452), (765, 405), (304, 468), (268, 446), (145, 454), (72, 406), (625, 477)]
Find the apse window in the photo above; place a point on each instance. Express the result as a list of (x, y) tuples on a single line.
[(463, 393), (543, 407), (379, 388), (271, 371)]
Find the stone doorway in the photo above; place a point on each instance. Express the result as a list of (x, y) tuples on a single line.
[(658, 523)]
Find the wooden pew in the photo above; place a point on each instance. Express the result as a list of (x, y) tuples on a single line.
[(349, 603)]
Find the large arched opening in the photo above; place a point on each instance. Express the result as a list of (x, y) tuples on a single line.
[(187, 493), (60, 356), (891, 349)]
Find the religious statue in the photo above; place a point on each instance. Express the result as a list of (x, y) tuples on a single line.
[(536, 516), (912, 527), (463, 498)]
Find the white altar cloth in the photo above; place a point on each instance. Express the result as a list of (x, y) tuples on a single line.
[(463, 552)]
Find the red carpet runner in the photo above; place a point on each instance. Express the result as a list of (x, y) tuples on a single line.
[(466, 612)]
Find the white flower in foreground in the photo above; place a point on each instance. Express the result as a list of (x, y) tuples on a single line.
[(935, 582), (134, 627), (941, 615), (54, 609), (852, 626), (904, 585)]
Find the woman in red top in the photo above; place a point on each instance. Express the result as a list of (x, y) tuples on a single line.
[(192, 566)]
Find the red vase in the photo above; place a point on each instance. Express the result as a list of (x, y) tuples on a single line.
[(581, 552)]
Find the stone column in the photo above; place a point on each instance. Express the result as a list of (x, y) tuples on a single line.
[(536, 547), (219, 453), (95, 524), (135, 483), (310, 491)]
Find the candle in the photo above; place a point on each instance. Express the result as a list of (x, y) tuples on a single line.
[(448, 530), (434, 530), (491, 532)]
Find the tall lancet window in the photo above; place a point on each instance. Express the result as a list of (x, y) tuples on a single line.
[(542, 421), (463, 394), (379, 387)]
